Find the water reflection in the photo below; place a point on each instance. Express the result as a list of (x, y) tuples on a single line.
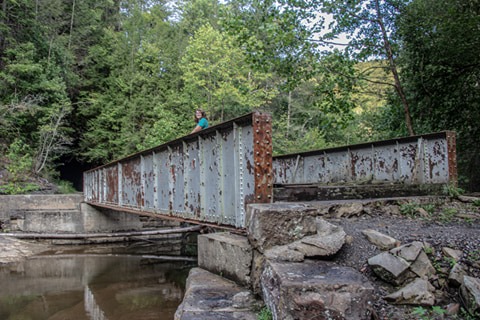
[(93, 286)]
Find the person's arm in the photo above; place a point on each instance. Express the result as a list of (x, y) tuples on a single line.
[(196, 129)]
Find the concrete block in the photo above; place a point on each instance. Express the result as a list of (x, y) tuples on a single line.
[(228, 255), (50, 202), (69, 221), (275, 224), (315, 290), (209, 296)]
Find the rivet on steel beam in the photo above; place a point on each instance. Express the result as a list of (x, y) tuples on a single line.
[(269, 196), (258, 174), (258, 197), (257, 131), (258, 163), (258, 142), (267, 120), (258, 153)]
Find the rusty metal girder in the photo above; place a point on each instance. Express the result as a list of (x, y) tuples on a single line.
[(206, 177), (423, 159)]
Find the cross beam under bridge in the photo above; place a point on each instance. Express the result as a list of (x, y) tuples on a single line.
[(211, 176)]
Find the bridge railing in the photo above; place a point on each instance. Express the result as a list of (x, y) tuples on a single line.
[(424, 159), (207, 177)]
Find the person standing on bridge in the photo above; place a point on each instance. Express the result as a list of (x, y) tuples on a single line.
[(200, 120)]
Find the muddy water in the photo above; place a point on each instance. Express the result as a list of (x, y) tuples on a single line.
[(94, 284)]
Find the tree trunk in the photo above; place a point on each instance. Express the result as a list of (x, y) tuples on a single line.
[(71, 25), (3, 19), (289, 111), (393, 69)]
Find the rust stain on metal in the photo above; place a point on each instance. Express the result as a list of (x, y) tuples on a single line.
[(262, 157), (452, 156)]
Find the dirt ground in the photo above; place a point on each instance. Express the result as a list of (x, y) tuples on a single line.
[(453, 224)]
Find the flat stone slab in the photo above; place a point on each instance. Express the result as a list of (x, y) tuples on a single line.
[(315, 290), (209, 296)]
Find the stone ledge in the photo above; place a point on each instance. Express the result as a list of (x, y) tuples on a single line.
[(320, 288), (209, 296)]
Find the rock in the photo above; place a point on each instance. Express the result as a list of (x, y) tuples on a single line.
[(470, 292), (468, 199), (452, 309), (455, 278), (13, 250), (409, 251), (390, 268), (244, 300), (328, 240), (209, 296), (352, 209), (381, 240), (394, 210), (418, 292), (422, 212), (284, 253), (452, 253), (422, 266), (272, 225), (315, 290)]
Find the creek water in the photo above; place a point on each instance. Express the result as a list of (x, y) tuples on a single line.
[(95, 283)]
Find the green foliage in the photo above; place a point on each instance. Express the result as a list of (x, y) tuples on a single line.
[(18, 188), (450, 261), (447, 214), (410, 209), (428, 250), (18, 167), (265, 314), (453, 191), (465, 315), (65, 187), (439, 65), (217, 78), (474, 256), (425, 314), (19, 161)]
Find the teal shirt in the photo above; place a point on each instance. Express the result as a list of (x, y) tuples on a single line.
[(203, 123)]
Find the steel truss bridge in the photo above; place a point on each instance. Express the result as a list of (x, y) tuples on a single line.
[(210, 177)]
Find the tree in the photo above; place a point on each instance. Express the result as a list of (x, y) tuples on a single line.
[(217, 78), (370, 27), (441, 71), (137, 105)]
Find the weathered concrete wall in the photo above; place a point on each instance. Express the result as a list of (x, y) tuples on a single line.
[(9, 205), (61, 214)]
